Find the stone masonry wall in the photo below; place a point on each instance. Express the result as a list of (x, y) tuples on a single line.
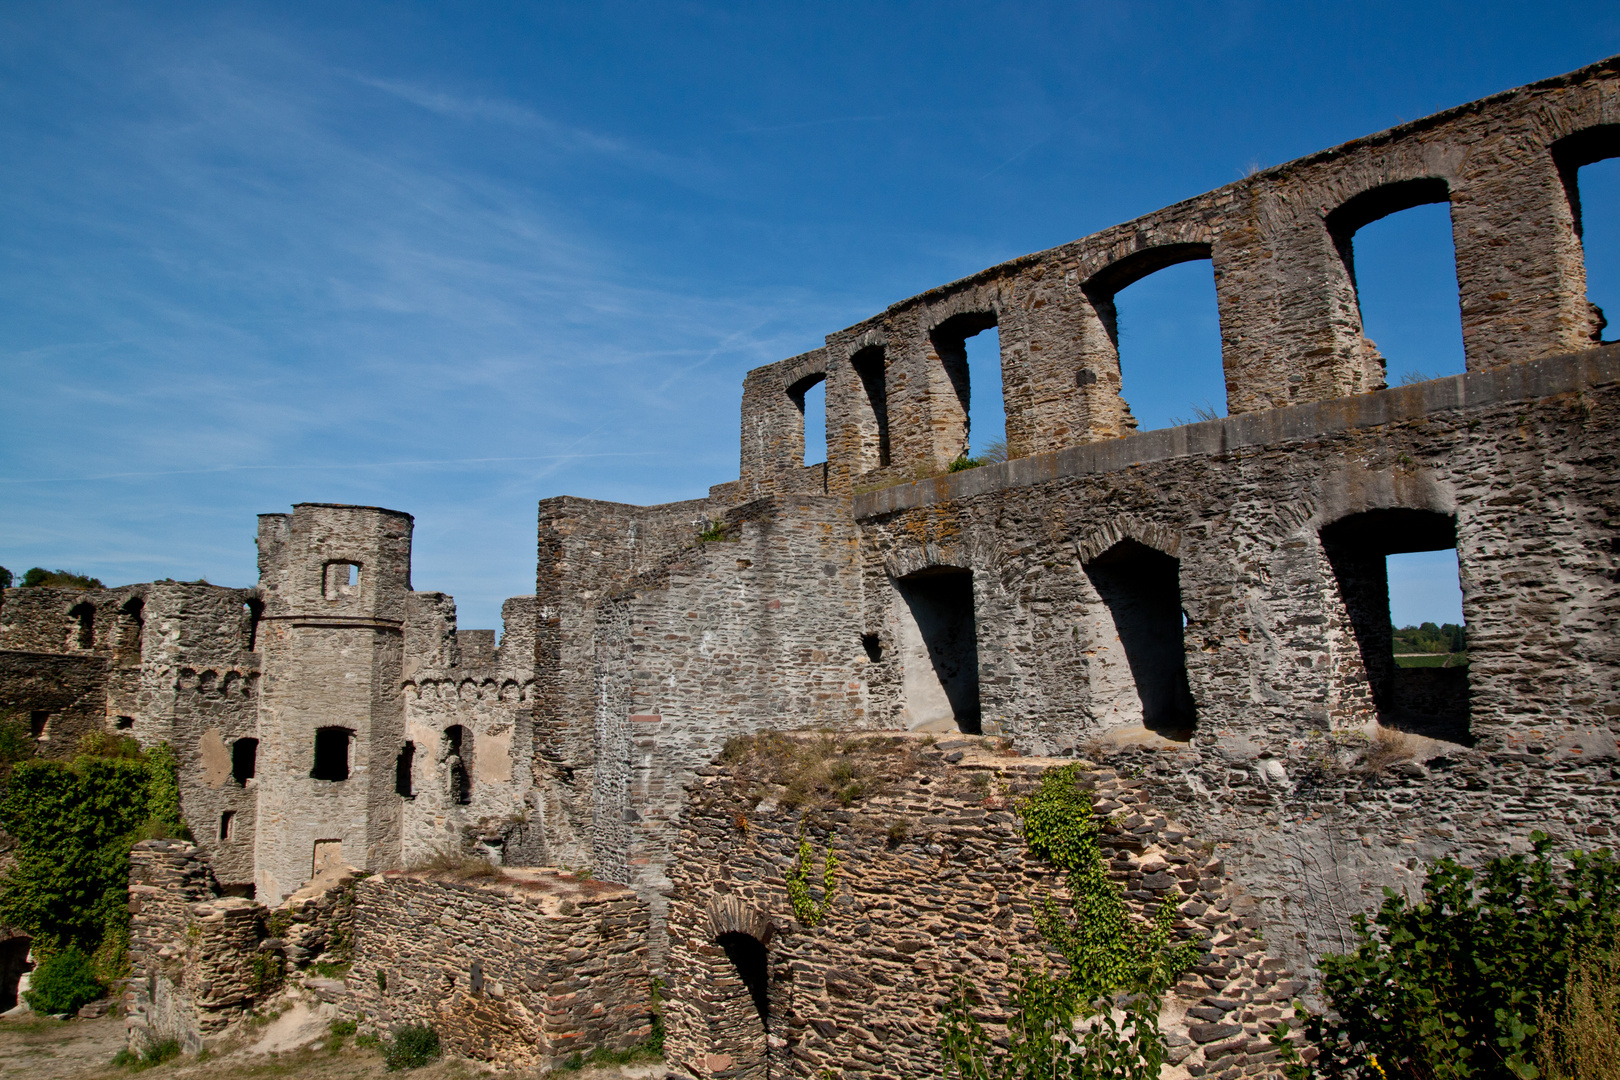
[(934, 886), (1281, 247), (1522, 460), (758, 630), (524, 969)]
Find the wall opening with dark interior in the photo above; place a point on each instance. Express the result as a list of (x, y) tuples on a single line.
[(1396, 244), (810, 398), (1159, 310), (751, 961), (227, 824), (971, 357), (331, 753), (13, 965), (39, 723), (244, 760), (871, 367), (1141, 588), (403, 764), (1410, 693), (1589, 162), (131, 623), (457, 756), (252, 615), (83, 620), (938, 639), (125, 723)]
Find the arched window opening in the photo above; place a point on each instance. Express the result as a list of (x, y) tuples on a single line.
[(1141, 588), (1417, 673), (810, 398), (131, 625), (871, 365), (252, 615), (1158, 307), (751, 962), (1589, 163), (332, 753), (244, 760), (1396, 244), (983, 424), (457, 757), (84, 625), (939, 649), (403, 779)]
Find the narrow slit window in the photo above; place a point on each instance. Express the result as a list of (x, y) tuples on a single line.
[(252, 615), (403, 764), (227, 824), (458, 766), (871, 366), (332, 746)]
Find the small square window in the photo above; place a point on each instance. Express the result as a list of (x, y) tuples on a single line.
[(341, 579)]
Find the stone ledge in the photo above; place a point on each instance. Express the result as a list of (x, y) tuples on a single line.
[(1532, 380)]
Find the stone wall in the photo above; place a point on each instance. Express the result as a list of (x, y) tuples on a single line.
[(1281, 247), (469, 726), (62, 698), (524, 969), (934, 886), (1516, 464)]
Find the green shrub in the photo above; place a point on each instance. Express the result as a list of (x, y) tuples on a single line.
[(412, 1047), (74, 823), (63, 983), (1452, 986), (343, 1028), (964, 463), (1112, 960), (61, 579)]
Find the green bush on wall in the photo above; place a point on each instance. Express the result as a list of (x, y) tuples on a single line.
[(74, 823)]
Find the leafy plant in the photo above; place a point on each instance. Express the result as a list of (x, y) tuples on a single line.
[(342, 1029), (1117, 968), (809, 912), (74, 823), (1453, 986), (63, 983), (412, 1047), (964, 463), (714, 532)]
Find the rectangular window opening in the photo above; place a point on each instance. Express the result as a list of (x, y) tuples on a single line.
[(331, 753), (809, 395), (39, 724), (244, 760), (227, 824), (1167, 329), (938, 639), (1141, 588), (1405, 275), (870, 365), (1398, 577), (342, 579)]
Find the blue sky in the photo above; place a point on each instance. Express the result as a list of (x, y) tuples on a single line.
[(456, 258)]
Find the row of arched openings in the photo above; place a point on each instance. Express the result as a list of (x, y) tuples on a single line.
[(1159, 307)]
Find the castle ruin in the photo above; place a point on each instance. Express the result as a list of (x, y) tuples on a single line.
[(1201, 611)]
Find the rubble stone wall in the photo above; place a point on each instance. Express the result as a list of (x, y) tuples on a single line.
[(934, 886), (524, 970)]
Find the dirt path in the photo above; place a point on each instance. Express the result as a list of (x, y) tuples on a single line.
[(45, 1049)]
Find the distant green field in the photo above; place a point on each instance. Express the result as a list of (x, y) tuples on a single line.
[(1458, 659)]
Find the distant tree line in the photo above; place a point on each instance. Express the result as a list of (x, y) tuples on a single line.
[(1429, 638), (61, 579)]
